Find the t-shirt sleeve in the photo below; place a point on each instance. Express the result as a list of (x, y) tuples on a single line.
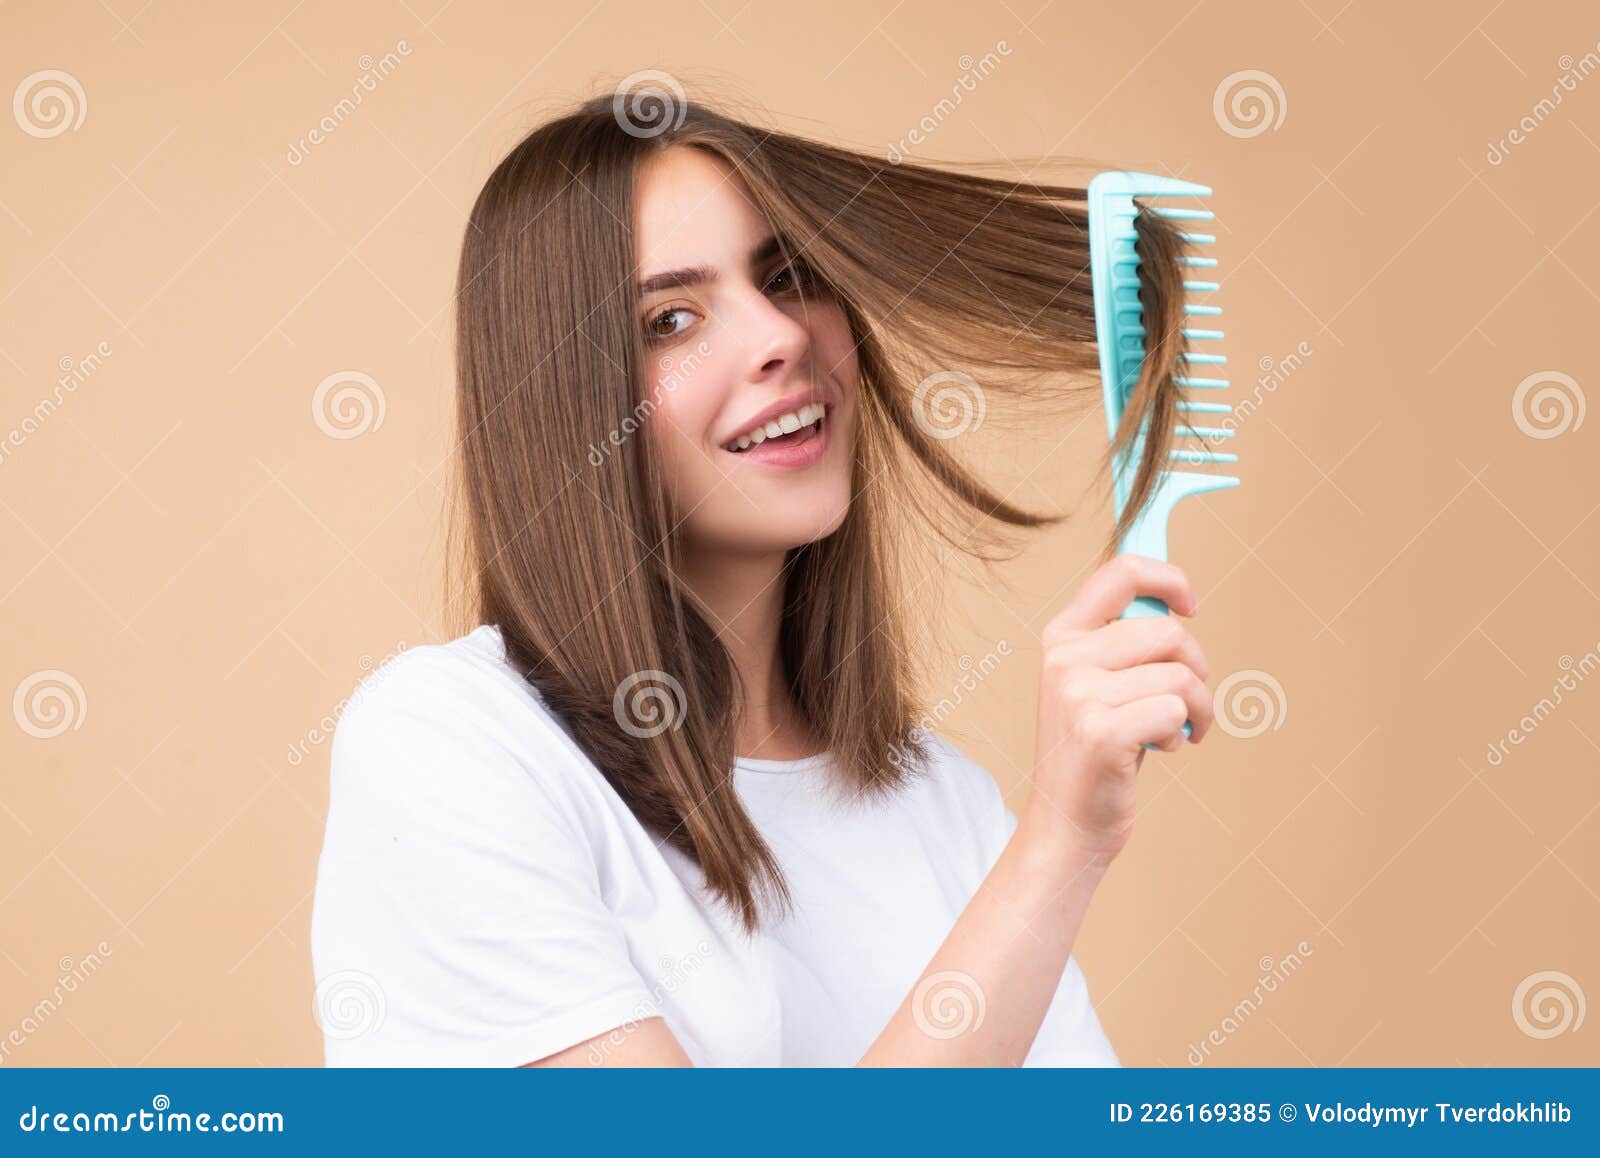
[(1071, 1034), (458, 918)]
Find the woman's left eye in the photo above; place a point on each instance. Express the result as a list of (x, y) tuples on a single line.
[(796, 275)]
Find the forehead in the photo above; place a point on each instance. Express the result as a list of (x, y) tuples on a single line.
[(690, 208)]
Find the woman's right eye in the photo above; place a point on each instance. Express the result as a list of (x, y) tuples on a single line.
[(661, 327)]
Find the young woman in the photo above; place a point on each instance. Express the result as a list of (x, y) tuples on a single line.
[(667, 804)]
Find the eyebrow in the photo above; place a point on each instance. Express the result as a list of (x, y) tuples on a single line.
[(700, 274)]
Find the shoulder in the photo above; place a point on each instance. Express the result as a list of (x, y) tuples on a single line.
[(442, 717), (460, 882), (963, 797), (463, 686), (951, 803), (456, 671), (445, 759), (952, 772)]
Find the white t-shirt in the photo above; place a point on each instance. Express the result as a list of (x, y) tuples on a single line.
[(484, 897)]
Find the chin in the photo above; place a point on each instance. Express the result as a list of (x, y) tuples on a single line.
[(814, 516), (815, 527), (782, 530)]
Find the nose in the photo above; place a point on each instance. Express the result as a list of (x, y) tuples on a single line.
[(777, 340)]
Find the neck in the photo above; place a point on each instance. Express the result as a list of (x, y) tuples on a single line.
[(743, 595)]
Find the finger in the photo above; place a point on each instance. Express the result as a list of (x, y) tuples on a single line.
[(1116, 688), (1106, 593), (1153, 720), (1130, 642)]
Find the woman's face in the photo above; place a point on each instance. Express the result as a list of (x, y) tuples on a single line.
[(736, 356)]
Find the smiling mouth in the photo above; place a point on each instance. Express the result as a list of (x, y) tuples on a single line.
[(787, 430)]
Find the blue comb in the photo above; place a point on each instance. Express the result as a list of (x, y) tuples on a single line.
[(1119, 330)]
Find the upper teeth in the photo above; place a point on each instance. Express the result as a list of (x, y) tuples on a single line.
[(783, 424)]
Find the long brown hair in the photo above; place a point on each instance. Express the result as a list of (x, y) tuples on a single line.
[(565, 532)]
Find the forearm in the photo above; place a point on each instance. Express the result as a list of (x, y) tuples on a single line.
[(1005, 955)]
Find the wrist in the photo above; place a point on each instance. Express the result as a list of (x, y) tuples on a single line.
[(1051, 848)]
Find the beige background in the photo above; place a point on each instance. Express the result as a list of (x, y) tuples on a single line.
[(1405, 562)]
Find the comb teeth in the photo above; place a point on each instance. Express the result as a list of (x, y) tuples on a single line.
[(1182, 214), (1190, 455), (1114, 262)]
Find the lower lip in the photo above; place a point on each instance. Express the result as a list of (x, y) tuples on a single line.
[(793, 456)]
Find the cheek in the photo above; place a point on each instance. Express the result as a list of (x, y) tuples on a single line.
[(685, 403), (684, 407), (685, 389), (833, 345)]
